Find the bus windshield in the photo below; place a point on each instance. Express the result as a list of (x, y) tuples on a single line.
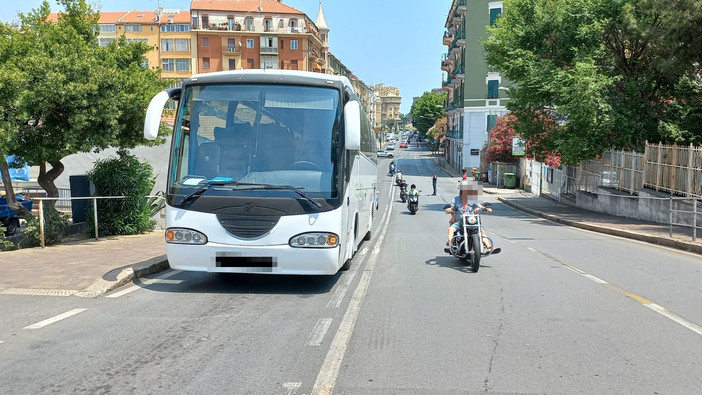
[(277, 135)]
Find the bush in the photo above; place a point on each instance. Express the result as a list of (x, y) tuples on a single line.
[(55, 225), (122, 176)]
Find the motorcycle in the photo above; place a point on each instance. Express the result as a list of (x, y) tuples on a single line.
[(467, 244), (391, 170), (403, 190), (413, 202)]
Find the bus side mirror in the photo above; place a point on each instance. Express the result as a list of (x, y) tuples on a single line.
[(152, 122), (352, 125)]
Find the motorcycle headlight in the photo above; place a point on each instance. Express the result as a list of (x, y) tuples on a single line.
[(472, 220)]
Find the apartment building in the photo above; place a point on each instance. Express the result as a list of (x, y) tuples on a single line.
[(476, 94), (386, 104), (253, 34)]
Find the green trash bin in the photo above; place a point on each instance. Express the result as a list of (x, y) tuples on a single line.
[(509, 180)]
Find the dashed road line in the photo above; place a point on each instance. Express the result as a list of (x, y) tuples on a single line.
[(329, 372), (148, 281), (340, 293), (319, 331), (292, 387), (42, 324), (647, 303)]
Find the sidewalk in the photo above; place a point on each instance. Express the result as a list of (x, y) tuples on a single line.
[(85, 268), (597, 222)]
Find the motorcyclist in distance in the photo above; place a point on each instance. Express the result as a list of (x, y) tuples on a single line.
[(398, 176)]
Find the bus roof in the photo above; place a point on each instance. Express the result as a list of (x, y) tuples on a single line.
[(271, 76)]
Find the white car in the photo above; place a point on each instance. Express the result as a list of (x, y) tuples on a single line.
[(383, 153), (391, 146)]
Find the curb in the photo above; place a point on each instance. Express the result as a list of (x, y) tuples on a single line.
[(663, 241), (124, 275)]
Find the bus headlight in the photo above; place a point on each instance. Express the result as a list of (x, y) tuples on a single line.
[(185, 236), (315, 240)]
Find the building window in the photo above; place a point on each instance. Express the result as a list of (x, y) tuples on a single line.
[(249, 43), (137, 40), (281, 24), (293, 22), (493, 89), (249, 23), (269, 62), (145, 63), (132, 28), (231, 45), (106, 41), (182, 44), (178, 28), (324, 37), (293, 64), (491, 122), (167, 44), (107, 28), (205, 21), (282, 44), (168, 64), (194, 24), (205, 41), (250, 64), (182, 64), (293, 44), (230, 22), (494, 14), (205, 63), (232, 64), (267, 25)]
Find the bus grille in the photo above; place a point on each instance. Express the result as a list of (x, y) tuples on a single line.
[(248, 227)]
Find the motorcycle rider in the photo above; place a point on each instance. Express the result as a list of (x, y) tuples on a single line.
[(466, 201), (398, 177), (392, 167)]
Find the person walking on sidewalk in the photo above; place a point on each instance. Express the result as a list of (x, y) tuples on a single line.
[(433, 183)]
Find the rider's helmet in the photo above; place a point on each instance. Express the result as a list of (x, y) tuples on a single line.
[(413, 186)]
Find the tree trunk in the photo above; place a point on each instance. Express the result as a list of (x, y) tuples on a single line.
[(46, 180), (10, 192)]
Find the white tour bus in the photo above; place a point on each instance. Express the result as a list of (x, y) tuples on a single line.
[(270, 171)]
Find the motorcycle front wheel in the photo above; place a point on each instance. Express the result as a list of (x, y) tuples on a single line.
[(475, 260)]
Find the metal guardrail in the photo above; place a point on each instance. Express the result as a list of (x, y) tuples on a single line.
[(95, 211)]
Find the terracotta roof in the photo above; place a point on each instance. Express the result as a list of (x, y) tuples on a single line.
[(110, 17), (105, 17), (138, 17), (269, 6), (182, 17)]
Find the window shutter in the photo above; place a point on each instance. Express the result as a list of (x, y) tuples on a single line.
[(494, 13), (493, 89)]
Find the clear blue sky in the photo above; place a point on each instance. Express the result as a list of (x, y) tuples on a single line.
[(397, 42)]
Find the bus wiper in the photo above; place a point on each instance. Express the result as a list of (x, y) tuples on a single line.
[(209, 184), (282, 187)]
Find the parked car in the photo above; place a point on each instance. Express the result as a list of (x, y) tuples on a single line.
[(10, 218), (391, 146), (383, 153)]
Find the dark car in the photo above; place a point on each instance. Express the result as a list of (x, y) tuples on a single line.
[(10, 218)]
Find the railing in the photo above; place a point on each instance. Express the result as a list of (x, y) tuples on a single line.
[(269, 50), (95, 211)]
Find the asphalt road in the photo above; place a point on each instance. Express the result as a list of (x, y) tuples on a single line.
[(560, 310)]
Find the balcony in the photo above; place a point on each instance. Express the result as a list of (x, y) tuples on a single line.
[(445, 66), (461, 7), (459, 72), (459, 40), (448, 38), (229, 50), (269, 50)]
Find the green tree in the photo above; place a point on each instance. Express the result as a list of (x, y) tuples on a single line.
[(426, 109), (611, 73), (76, 96)]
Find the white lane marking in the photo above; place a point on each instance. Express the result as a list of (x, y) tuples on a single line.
[(319, 331), (595, 279), (341, 291), (52, 320), (687, 324), (147, 281), (658, 309), (292, 387), (329, 371), (531, 249), (2, 341)]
